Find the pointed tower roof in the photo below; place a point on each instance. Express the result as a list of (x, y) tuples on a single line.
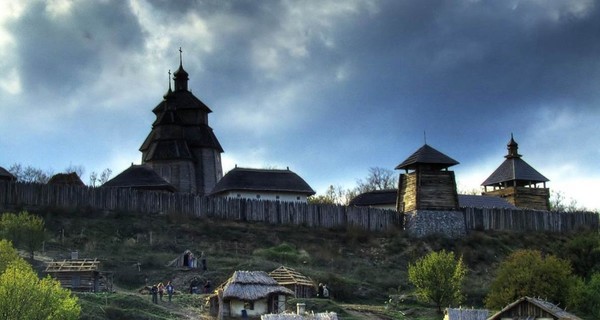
[(180, 76), (514, 169), (427, 155)]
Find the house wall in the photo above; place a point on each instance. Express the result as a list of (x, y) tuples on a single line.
[(208, 169), (236, 307), (524, 197), (267, 196), (178, 173), (428, 190)]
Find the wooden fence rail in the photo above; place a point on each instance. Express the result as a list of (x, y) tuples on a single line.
[(15, 195)]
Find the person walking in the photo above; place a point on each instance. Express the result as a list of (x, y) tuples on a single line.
[(154, 293), (170, 290), (161, 290)]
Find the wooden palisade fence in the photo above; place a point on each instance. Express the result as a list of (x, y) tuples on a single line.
[(37, 196)]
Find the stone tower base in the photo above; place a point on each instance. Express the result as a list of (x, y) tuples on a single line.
[(422, 223)]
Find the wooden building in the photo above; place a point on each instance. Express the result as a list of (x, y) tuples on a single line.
[(518, 182), (140, 177), (301, 285), (181, 147), (6, 176), (263, 184), (427, 184), (185, 260), (251, 293), (71, 179), (80, 275), (532, 308)]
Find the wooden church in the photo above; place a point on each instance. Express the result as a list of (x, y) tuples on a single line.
[(518, 182), (181, 146)]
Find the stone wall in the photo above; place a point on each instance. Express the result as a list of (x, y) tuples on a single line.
[(421, 223)]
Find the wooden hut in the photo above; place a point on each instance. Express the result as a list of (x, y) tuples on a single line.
[(71, 179), (465, 314), (533, 308), (427, 183), (518, 182), (301, 285), (80, 275), (185, 260), (252, 293)]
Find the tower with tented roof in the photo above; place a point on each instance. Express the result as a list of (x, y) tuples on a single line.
[(181, 147), (518, 182), (427, 184)]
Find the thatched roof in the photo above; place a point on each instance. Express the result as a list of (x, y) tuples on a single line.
[(262, 180), (252, 285), (286, 276), (70, 178)]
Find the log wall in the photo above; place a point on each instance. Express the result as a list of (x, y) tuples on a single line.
[(28, 196)]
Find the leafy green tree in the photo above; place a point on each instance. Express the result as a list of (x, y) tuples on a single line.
[(528, 273), (438, 277), (24, 230), (584, 253), (590, 299), (24, 296)]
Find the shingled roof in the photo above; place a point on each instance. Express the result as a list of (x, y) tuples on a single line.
[(262, 180), (514, 169), (140, 177), (388, 197), (427, 155)]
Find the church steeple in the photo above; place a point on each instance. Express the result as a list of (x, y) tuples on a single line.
[(513, 148), (180, 76)]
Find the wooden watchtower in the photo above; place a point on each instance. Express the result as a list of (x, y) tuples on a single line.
[(427, 184), (518, 182)]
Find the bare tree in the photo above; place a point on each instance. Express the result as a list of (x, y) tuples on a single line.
[(29, 174), (78, 169), (378, 179), (98, 180)]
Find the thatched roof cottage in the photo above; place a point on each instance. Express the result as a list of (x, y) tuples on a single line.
[(252, 293), (140, 177), (6, 176), (263, 184)]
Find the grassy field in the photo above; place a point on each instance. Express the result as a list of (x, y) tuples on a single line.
[(365, 271)]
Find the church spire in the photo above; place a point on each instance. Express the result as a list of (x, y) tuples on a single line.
[(513, 148), (180, 76)]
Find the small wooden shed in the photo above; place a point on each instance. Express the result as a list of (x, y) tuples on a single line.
[(300, 284), (185, 260), (71, 179), (80, 275), (533, 308), (252, 293)]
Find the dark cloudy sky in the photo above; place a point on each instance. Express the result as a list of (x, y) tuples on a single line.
[(328, 88)]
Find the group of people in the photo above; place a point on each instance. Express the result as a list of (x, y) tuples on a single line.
[(323, 291), (158, 290)]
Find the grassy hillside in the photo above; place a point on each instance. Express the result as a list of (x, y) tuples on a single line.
[(363, 270)]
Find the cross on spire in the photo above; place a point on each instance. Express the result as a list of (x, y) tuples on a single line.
[(180, 57)]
